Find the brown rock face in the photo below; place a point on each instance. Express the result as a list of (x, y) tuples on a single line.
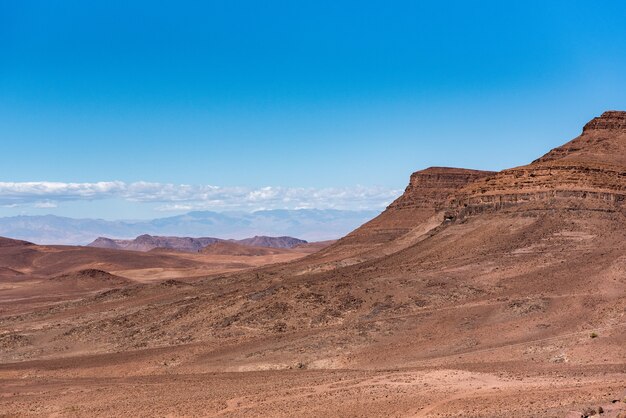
[(603, 141), (420, 208), (587, 172), (427, 193), (430, 188), (610, 120)]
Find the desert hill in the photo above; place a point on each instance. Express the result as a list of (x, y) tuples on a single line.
[(421, 208), (237, 249), (8, 242), (271, 242), (87, 280), (39, 260), (24, 264), (149, 242), (473, 294), (90, 275)]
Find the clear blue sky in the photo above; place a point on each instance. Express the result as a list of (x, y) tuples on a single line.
[(290, 94)]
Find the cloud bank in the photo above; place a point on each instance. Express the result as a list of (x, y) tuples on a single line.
[(184, 197)]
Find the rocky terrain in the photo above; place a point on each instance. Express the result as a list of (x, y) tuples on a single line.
[(474, 294), (149, 242)]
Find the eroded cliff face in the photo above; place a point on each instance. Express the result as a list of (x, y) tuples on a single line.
[(430, 188), (419, 209), (426, 195), (602, 141), (588, 172), (609, 120)]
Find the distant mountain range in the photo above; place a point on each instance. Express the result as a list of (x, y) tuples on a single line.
[(307, 224), (149, 242)]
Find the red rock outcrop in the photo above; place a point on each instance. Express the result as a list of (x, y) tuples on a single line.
[(427, 193), (418, 209), (589, 171), (429, 189)]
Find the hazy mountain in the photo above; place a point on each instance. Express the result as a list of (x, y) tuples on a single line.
[(147, 242), (272, 242), (308, 224)]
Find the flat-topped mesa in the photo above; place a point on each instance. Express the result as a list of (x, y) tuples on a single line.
[(430, 188), (587, 172), (420, 208), (427, 194)]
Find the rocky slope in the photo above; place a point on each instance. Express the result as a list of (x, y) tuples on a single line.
[(407, 220), (41, 261), (237, 249), (8, 242)]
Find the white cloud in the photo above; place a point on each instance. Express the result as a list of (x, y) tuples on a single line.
[(26, 191), (45, 205), (184, 197)]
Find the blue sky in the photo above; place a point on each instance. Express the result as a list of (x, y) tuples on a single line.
[(286, 103)]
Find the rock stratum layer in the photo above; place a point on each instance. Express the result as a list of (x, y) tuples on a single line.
[(587, 172), (420, 208)]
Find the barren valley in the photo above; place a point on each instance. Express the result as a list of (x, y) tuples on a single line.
[(475, 293)]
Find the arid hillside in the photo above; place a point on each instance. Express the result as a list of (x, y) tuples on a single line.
[(233, 248), (474, 294)]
